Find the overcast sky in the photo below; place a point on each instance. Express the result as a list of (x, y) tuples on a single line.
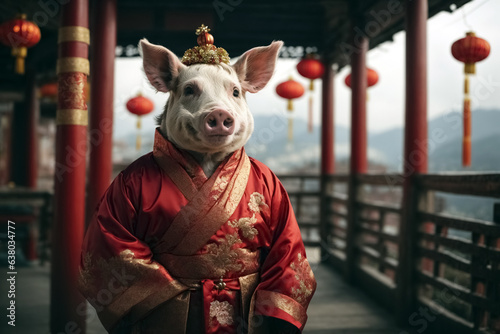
[(386, 99)]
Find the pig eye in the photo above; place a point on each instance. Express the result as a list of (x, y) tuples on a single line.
[(188, 90), (236, 92)]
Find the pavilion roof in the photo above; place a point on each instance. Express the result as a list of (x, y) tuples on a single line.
[(323, 26)]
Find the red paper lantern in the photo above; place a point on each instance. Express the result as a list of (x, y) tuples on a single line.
[(371, 78), (19, 34), (310, 68), (139, 106), (49, 90), (290, 90), (469, 50)]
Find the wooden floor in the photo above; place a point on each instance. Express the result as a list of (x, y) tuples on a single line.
[(336, 307)]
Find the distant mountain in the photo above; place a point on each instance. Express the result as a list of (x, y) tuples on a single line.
[(485, 155), (445, 142), (444, 133), (269, 143), (389, 146)]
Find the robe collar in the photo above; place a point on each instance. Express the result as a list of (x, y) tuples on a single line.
[(184, 169), (211, 200)]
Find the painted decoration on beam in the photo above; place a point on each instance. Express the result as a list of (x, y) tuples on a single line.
[(290, 90), (312, 68), (469, 50), (48, 92), (139, 106), (19, 34)]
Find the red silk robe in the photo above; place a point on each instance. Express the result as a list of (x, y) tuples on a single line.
[(170, 250)]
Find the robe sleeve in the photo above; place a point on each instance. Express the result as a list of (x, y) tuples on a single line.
[(117, 273), (287, 281)]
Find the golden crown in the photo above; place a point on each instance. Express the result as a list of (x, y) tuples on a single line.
[(206, 52)]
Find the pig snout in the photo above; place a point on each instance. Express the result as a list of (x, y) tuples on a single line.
[(218, 123)]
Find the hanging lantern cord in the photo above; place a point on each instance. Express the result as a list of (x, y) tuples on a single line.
[(310, 111), (290, 120), (310, 114), (466, 144), (138, 140)]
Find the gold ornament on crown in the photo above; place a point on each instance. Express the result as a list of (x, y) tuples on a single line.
[(206, 52), (202, 29)]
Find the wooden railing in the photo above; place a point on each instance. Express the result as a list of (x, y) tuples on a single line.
[(451, 263), (458, 257), (32, 210)]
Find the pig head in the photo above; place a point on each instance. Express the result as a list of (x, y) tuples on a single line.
[(206, 112)]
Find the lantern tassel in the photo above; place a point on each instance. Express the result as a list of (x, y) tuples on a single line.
[(290, 105), (290, 129), (310, 115), (466, 143), (310, 112), (20, 53), (138, 140), (19, 65), (470, 68)]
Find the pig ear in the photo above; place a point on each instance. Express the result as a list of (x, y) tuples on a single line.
[(256, 66), (161, 65)]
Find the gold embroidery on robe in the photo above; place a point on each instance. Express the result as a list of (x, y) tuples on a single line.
[(108, 269), (245, 225), (223, 312), (257, 202), (287, 304), (219, 186), (225, 258), (305, 278), (86, 278), (225, 204)]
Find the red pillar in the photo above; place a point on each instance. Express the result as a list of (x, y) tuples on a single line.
[(103, 36), (327, 122), (359, 162), (67, 305), (327, 152), (415, 151)]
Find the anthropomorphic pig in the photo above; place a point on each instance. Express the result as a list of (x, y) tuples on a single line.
[(197, 237)]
